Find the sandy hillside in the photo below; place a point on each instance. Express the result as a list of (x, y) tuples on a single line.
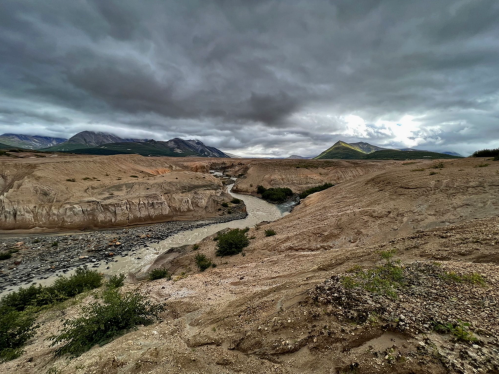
[(295, 302)]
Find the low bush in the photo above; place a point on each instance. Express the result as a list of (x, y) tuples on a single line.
[(236, 201), (195, 247), (270, 232), (232, 242), (133, 176), (260, 189), (5, 256), (203, 262), (116, 281), (70, 180), (16, 328), (55, 244), (312, 190), (438, 165), (460, 330), (159, 274), (277, 195), (101, 322), (225, 205), (63, 288)]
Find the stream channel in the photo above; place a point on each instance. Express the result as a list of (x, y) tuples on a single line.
[(258, 211)]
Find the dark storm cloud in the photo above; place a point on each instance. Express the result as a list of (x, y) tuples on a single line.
[(262, 77)]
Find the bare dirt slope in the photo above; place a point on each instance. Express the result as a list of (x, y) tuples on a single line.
[(300, 175), (102, 191), (285, 306)]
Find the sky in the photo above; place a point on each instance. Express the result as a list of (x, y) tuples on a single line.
[(262, 78)]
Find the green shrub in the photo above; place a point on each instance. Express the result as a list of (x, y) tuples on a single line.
[(460, 330), (225, 205), (260, 189), (439, 165), (277, 195), (133, 176), (235, 201), (55, 244), (82, 280), (116, 281), (102, 322), (482, 165), (232, 242), (433, 173), (195, 247), (70, 180), (312, 190), (5, 256), (203, 262), (270, 232), (159, 274), (87, 179), (16, 328), (63, 288)]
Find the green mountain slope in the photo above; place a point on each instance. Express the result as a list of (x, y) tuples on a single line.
[(341, 150), (366, 151)]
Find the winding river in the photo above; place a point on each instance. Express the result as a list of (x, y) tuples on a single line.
[(140, 259)]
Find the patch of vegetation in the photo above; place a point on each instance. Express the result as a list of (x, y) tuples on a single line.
[(439, 165), (409, 163), (418, 170), (203, 262), (159, 273), (16, 328), (232, 242), (382, 280), (63, 289), (472, 278), (460, 330), (70, 180), (225, 205), (270, 232), (236, 201), (482, 165), (5, 256), (195, 247), (104, 321), (133, 176), (433, 173), (312, 190), (87, 179), (275, 195), (116, 281), (487, 153), (55, 244)]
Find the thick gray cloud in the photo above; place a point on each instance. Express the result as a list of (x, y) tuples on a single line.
[(255, 77)]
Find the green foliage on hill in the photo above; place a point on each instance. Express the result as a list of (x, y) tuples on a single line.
[(487, 153), (312, 190), (103, 321), (275, 195), (232, 242), (63, 289)]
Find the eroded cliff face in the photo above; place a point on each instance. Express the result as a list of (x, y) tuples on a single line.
[(103, 192)]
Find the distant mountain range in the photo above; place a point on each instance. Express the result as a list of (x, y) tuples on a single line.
[(29, 142), (101, 143), (366, 151)]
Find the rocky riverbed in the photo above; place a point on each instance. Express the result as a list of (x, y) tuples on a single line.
[(38, 257)]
